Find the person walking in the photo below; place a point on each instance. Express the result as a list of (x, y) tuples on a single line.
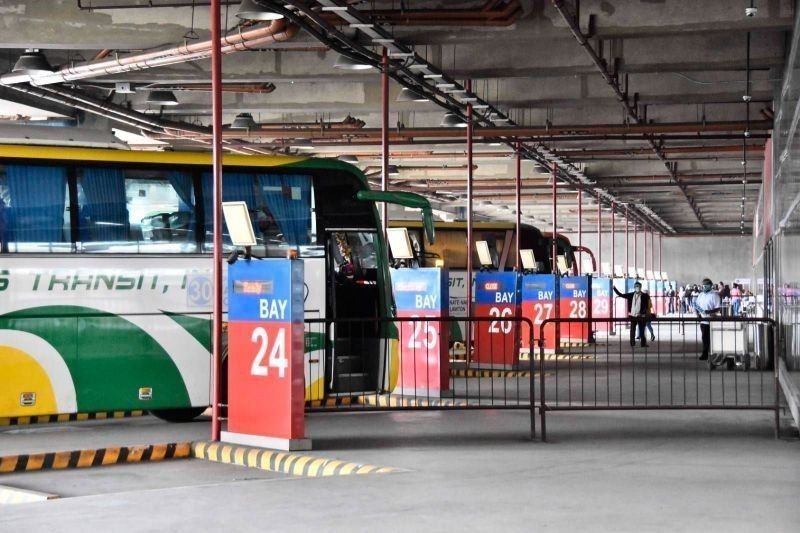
[(638, 305), (650, 316), (707, 304), (736, 299), (671, 294), (687, 299)]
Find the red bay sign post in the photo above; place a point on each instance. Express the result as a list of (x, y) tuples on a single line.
[(265, 355), (496, 340), (574, 298), (424, 358), (539, 300), (601, 303)]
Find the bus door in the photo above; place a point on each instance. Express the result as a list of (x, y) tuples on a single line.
[(354, 348)]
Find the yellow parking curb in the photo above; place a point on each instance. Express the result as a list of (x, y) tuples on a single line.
[(282, 462), (72, 417), (89, 458), (487, 373), (330, 402)]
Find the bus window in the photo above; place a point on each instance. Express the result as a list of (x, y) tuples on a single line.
[(450, 247), (355, 255), (135, 211), (281, 210), (34, 209)]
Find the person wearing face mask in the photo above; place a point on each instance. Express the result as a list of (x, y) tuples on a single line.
[(707, 304), (638, 309)]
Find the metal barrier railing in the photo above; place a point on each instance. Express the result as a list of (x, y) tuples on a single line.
[(407, 363), (669, 371), (412, 371)]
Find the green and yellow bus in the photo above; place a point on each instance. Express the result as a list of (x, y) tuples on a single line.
[(105, 274)]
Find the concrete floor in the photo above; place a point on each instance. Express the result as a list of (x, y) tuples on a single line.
[(469, 471)]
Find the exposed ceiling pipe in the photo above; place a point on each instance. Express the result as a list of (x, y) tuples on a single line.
[(240, 88), (429, 154), (277, 31), (492, 13), (361, 144), (346, 124), (672, 150), (139, 121), (372, 134)]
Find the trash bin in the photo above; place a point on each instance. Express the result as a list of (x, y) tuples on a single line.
[(763, 344)]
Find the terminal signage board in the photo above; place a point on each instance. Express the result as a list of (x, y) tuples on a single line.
[(265, 354), (620, 305), (496, 340), (424, 359), (649, 285), (660, 303), (574, 302), (539, 298), (601, 302)]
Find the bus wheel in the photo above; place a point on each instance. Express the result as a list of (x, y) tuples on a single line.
[(178, 415)]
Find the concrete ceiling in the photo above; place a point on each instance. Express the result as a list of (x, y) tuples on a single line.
[(683, 63)]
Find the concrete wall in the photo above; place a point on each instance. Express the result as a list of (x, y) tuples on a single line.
[(686, 259)]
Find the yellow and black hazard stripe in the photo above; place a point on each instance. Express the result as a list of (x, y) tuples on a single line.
[(575, 344), (90, 458), (373, 400), (488, 373), (72, 417), (283, 462), (558, 356), (330, 402)]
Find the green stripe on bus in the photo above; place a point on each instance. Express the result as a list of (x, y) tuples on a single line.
[(108, 357)]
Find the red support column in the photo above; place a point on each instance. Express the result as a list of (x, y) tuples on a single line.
[(613, 238), (644, 249), (580, 228), (468, 340), (216, 142), (555, 216), (599, 237), (627, 242), (653, 250), (518, 192), (636, 247), (384, 136)]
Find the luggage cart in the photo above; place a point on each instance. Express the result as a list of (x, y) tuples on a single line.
[(729, 345)]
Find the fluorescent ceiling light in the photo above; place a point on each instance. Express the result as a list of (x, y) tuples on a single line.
[(347, 63), (165, 98), (451, 120), (251, 10), (410, 95)]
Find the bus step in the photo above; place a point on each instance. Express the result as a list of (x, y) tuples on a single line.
[(351, 381)]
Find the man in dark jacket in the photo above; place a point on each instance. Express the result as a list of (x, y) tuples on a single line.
[(638, 309)]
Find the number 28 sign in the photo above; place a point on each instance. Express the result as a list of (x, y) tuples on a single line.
[(265, 353)]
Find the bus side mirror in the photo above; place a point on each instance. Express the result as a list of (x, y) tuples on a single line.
[(406, 199)]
